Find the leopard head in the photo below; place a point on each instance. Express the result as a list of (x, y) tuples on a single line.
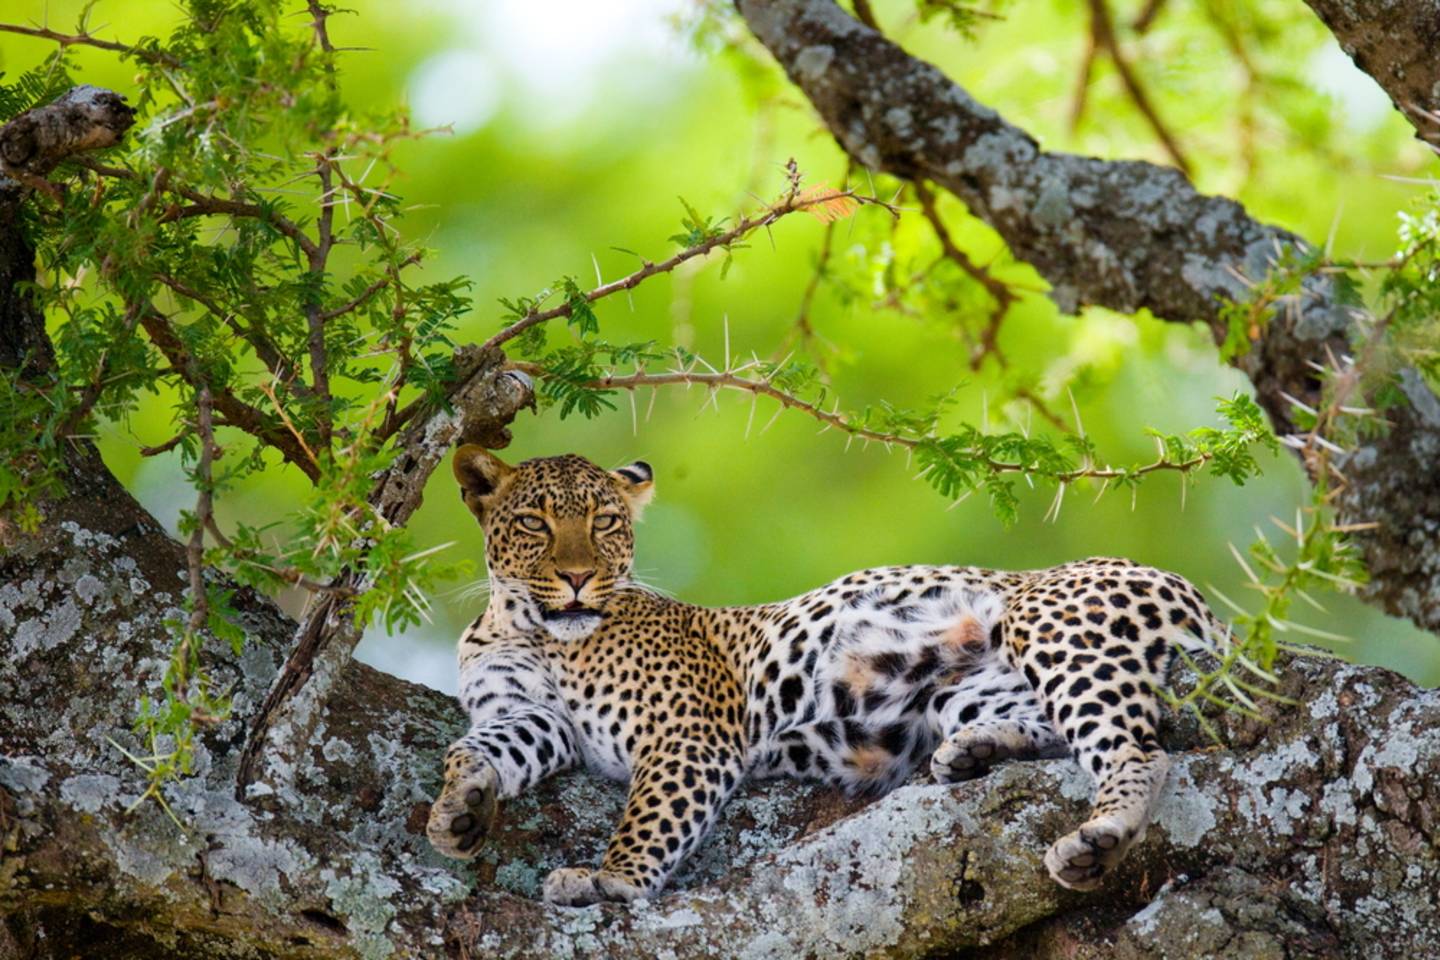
[(559, 534)]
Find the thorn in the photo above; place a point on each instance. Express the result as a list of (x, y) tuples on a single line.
[(1243, 565), (1075, 409), (1334, 228), (1298, 404)]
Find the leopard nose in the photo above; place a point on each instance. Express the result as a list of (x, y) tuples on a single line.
[(576, 578)]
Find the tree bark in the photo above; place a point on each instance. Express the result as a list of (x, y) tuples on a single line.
[(1318, 835), (1315, 836), (1129, 235)]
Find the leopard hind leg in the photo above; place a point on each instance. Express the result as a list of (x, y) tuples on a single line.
[(1096, 667)]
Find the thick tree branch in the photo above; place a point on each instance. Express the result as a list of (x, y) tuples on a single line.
[(1120, 234), (1293, 840), (1128, 236), (85, 118)]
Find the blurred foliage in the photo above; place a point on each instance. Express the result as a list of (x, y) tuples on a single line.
[(572, 154)]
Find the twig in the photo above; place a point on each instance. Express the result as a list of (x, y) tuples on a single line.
[(205, 205), (195, 547), (280, 368), (1082, 80), (1146, 17), (320, 15), (374, 288), (167, 446), (315, 320), (86, 40), (102, 374), (865, 15), (729, 379), (803, 325), (792, 202), (236, 411), (1103, 31), (292, 575), (1236, 44), (998, 290)]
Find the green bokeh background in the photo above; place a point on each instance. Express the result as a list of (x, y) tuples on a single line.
[(578, 124)]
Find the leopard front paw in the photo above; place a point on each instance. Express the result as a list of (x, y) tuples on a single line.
[(580, 887), (464, 813), (1081, 859)]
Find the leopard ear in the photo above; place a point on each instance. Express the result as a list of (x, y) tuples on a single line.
[(637, 485), (481, 476)]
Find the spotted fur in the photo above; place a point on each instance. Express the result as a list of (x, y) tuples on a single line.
[(856, 683)]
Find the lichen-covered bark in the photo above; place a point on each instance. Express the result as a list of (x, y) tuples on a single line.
[(84, 118), (1120, 234), (1129, 235), (1333, 813)]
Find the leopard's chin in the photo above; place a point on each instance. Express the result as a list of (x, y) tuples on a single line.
[(574, 622)]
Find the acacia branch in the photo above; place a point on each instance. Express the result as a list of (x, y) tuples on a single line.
[(375, 287), (237, 412), (733, 380), (999, 291), (792, 202), (1126, 235), (1102, 31), (204, 205), (87, 40), (195, 546), (315, 318), (280, 368)]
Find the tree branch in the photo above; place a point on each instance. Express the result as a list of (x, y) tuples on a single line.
[(237, 412), (733, 380), (792, 202), (204, 205), (83, 119), (1102, 28), (1120, 234), (1129, 236), (86, 40)]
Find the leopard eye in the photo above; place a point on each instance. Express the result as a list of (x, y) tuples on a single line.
[(533, 524), (605, 521)]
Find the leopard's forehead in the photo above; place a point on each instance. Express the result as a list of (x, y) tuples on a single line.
[(567, 485)]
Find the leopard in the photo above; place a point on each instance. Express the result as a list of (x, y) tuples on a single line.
[(857, 684)]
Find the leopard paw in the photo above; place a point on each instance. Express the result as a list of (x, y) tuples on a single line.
[(1081, 859), (464, 813), (963, 757), (580, 887)]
